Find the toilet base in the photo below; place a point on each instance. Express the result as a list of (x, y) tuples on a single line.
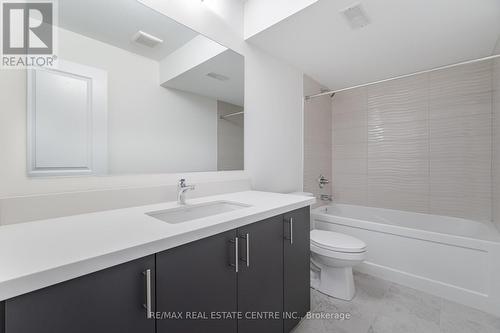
[(315, 277), (337, 282)]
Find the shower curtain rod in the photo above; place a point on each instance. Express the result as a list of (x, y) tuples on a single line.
[(329, 92), (232, 114)]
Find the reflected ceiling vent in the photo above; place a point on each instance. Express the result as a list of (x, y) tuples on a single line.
[(216, 76), (143, 38), (356, 16)]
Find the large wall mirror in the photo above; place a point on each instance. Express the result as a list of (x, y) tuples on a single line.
[(134, 92)]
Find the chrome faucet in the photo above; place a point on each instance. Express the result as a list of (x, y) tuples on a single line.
[(322, 181), (182, 188)]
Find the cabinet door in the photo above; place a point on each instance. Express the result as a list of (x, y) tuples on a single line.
[(197, 278), (2, 317), (260, 277), (108, 301), (296, 265)]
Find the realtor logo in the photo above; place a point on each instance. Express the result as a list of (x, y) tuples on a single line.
[(27, 33), (27, 28)]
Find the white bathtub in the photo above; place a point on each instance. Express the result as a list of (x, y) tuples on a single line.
[(450, 257)]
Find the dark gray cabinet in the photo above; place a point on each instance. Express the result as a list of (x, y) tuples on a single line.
[(2, 317), (260, 277), (198, 278), (108, 301), (259, 272), (296, 276)]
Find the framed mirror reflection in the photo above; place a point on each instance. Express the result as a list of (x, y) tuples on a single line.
[(147, 96)]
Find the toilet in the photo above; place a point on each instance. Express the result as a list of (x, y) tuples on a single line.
[(332, 257)]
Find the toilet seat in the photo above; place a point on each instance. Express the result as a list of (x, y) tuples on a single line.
[(336, 242), (348, 256)]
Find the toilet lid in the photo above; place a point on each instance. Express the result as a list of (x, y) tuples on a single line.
[(338, 242)]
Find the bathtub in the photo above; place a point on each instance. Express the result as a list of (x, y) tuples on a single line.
[(450, 257)]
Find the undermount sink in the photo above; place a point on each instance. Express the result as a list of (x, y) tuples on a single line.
[(192, 212)]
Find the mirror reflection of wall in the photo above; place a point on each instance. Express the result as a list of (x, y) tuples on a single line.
[(144, 97), (229, 136)]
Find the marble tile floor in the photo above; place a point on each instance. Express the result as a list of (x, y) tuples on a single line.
[(381, 306)]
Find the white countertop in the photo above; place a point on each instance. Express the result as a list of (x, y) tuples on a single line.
[(38, 254)]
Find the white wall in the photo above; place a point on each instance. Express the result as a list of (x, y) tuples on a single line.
[(273, 123), (261, 14)]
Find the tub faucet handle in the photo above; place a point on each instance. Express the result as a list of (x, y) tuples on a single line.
[(322, 181)]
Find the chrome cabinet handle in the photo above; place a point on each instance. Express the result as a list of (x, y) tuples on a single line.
[(247, 241), (236, 254), (147, 306), (290, 220)]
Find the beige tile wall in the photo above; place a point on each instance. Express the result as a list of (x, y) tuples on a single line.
[(350, 146), (496, 145), (421, 143), (317, 139), (461, 139), (398, 144)]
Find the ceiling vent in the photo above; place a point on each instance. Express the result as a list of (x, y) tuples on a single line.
[(216, 76), (140, 37), (356, 16)]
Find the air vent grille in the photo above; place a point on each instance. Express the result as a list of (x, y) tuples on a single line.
[(143, 38), (216, 76), (356, 16)]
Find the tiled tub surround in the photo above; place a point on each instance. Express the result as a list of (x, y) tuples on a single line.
[(421, 143), (317, 139), (496, 142), (450, 257)]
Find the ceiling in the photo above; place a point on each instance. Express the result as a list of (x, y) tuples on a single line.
[(229, 64), (116, 21), (403, 37)]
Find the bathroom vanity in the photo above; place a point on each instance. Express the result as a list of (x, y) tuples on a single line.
[(245, 270)]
